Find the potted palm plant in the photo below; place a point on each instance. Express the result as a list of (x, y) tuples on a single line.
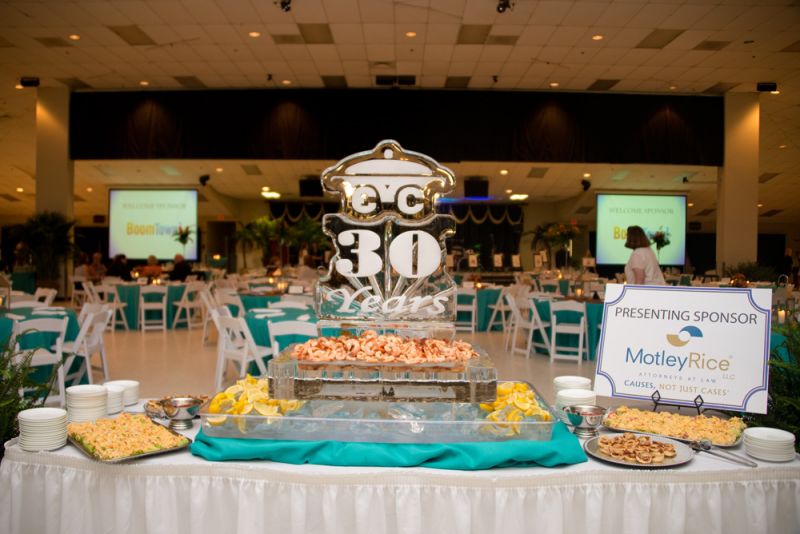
[(47, 236)]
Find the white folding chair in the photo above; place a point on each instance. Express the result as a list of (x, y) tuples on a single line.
[(471, 308), (558, 350), (225, 297), (108, 294), (42, 356), (539, 325), (289, 328), (90, 309), (499, 309), (209, 304), (190, 305), (26, 304), (45, 295), (236, 344), (157, 304), (287, 304), (78, 295), (89, 342)]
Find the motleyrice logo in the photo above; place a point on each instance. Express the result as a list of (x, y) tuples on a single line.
[(662, 358), (684, 336)]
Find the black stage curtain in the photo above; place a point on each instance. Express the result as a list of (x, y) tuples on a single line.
[(448, 125), (488, 228)]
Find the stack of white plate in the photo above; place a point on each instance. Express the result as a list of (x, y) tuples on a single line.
[(114, 400), (42, 429), (571, 397), (571, 382), (86, 403), (770, 444), (130, 390)]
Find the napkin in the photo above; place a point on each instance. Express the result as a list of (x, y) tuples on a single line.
[(564, 448), (48, 312)]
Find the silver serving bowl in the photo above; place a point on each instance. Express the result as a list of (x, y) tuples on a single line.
[(585, 418), (180, 411)]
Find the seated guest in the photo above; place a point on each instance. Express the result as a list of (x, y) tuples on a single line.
[(119, 267), (96, 269), (181, 270), (82, 266), (151, 270)]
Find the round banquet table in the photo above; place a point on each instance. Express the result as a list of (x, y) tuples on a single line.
[(63, 491), (35, 340), (129, 294)]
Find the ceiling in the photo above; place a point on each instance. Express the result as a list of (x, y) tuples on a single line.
[(648, 46)]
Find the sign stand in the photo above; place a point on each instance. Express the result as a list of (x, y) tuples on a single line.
[(656, 397)]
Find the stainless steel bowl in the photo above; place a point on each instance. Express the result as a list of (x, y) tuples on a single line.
[(585, 419), (180, 411)]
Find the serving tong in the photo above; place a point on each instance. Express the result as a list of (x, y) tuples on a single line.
[(705, 445)]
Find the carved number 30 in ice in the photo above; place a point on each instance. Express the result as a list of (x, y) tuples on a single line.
[(423, 263)]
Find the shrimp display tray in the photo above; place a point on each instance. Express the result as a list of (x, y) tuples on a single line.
[(469, 382), (379, 422)]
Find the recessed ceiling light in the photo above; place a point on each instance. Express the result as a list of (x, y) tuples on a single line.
[(518, 196), (775, 92), (690, 204), (411, 34), (597, 37), (553, 84), (89, 189), (587, 175), (270, 194), (286, 82), (254, 34), (74, 37), (265, 188), (219, 169), (503, 171), (673, 87), (759, 205), (144, 83), (18, 86), (508, 191), (20, 190), (781, 146)]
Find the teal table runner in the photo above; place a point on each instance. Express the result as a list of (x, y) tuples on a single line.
[(563, 449), (256, 301)]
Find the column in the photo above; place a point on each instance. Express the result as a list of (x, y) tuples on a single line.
[(737, 187), (55, 181)]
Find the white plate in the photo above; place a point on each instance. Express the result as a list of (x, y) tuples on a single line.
[(684, 454), (41, 414), (86, 390), (763, 434)]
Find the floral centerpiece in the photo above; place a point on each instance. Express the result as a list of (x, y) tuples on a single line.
[(661, 239), (739, 280)]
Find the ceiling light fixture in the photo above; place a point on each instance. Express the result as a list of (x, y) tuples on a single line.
[(508, 191), (20, 190), (781, 146), (690, 205), (518, 196), (18, 86), (587, 175), (265, 188), (775, 92), (286, 82), (270, 194), (503, 171), (503, 5), (74, 37), (144, 83), (759, 205), (89, 189), (554, 84), (219, 169), (673, 87), (411, 34), (597, 37), (254, 34), (286, 5)]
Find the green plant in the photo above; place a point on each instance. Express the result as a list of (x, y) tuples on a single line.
[(752, 271), (307, 231), (47, 237), (183, 235), (783, 404), (15, 374), (660, 238)]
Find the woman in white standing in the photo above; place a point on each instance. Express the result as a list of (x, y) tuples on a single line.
[(642, 267)]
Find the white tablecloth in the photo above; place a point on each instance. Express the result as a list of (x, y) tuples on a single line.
[(63, 491)]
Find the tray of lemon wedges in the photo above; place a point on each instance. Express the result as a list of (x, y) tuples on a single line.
[(246, 410)]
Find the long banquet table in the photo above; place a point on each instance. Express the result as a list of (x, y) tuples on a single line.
[(63, 491)]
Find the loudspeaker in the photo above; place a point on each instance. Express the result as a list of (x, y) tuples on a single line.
[(476, 187), (766, 86), (310, 187), (695, 226), (99, 219)]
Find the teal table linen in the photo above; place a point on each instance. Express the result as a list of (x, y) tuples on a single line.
[(129, 294), (594, 317), (563, 449), (259, 327)]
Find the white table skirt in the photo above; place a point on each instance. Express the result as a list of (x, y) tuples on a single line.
[(63, 491)]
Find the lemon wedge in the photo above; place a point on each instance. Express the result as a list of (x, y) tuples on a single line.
[(265, 409), (217, 420), (234, 391)]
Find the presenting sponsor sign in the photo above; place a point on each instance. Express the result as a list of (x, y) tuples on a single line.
[(688, 344)]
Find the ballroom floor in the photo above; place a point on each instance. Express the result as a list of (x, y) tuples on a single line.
[(177, 362)]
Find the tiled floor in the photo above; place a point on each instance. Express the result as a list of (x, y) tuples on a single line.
[(177, 362)]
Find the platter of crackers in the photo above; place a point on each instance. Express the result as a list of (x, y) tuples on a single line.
[(634, 450)]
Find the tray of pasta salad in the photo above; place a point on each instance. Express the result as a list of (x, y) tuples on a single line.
[(127, 437), (721, 431)]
